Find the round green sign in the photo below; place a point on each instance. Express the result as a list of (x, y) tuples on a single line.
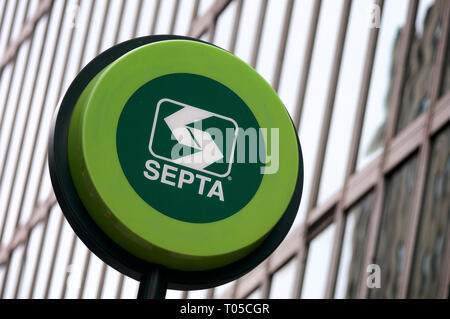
[(188, 162)]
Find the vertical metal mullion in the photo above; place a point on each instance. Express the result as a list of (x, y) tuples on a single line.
[(87, 262), (38, 259), (306, 65), (54, 256), (394, 105), (101, 33), (11, 189), (352, 158), (119, 19), (101, 282), (155, 17), (21, 267), (236, 24), (210, 293), (137, 17), (61, 222), (194, 12), (329, 106), (282, 45), (38, 125), (267, 281), (302, 253), (102, 29), (173, 20), (258, 34), (24, 256), (120, 286), (33, 153), (11, 74), (8, 94), (69, 262), (42, 169), (13, 20), (24, 130), (424, 156), (2, 18), (212, 30), (22, 81), (443, 292), (35, 201)]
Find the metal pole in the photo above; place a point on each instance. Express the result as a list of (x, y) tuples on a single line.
[(153, 285)]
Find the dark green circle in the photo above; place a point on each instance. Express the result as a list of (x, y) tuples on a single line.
[(134, 132)]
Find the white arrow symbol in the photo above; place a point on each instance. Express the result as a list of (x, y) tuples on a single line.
[(208, 152)]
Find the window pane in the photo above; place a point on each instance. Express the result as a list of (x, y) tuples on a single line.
[(435, 220), (316, 91), (416, 92), (283, 281), (394, 225), (353, 248), (316, 272), (392, 20), (347, 92)]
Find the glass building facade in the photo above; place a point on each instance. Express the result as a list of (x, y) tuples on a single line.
[(367, 84)]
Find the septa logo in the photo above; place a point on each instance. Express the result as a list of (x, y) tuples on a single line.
[(193, 129)]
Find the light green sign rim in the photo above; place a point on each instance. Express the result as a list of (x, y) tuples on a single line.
[(102, 185)]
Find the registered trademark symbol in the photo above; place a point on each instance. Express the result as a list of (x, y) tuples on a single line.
[(229, 178)]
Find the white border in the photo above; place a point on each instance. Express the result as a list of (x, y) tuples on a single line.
[(170, 160)]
